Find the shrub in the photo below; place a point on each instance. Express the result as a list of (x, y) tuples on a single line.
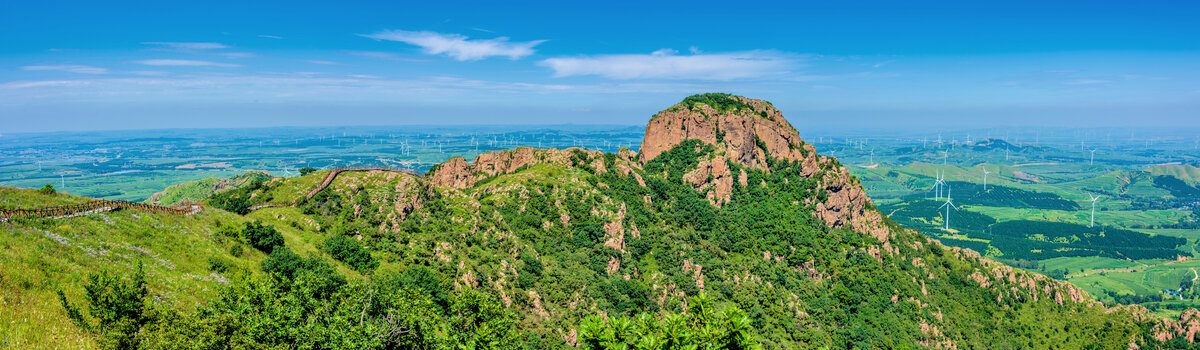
[(217, 265), (307, 170), (283, 262), (236, 250), (263, 237), (48, 190), (120, 306), (350, 252), (314, 273)]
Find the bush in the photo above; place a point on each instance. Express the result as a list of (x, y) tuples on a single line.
[(217, 265), (233, 201), (236, 250), (48, 190), (315, 273), (307, 170), (263, 237), (283, 262), (120, 306), (350, 252)]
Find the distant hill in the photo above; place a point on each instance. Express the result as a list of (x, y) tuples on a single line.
[(1186, 172), (203, 188)]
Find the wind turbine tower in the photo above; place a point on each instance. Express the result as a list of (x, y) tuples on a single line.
[(1094, 198), (948, 205), (1092, 160), (985, 174)]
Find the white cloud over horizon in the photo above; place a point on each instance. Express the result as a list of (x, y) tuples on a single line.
[(185, 63), (187, 45), (458, 46), (667, 64), (72, 68)]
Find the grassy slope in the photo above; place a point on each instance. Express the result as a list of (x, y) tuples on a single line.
[(200, 189), (40, 257), (1186, 172)]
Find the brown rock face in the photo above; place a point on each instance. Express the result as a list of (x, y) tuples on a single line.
[(746, 131), (458, 174)]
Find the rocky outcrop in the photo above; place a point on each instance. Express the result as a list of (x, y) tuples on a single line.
[(746, 131), (457, 173)]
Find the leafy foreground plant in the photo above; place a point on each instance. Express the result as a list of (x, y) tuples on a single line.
[(702, 328)]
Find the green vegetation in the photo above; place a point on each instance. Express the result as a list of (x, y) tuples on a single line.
[(701, 328), (966, 193), (263, 237), (721, 102), (47, 190), (307, 170), (350, 252), (198, 190)]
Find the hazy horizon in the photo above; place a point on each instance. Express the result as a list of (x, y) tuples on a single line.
[(79, 66)]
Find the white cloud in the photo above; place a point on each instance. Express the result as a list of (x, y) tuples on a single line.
[(73, 68), (666, 64), (270, 37), (1086, 82), (43, 83), (187, 45), (185, 63), (238, 55), (322, 62), (458, 46)]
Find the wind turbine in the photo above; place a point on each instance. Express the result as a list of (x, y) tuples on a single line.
[(945, 156), (937, 185), (948, 205), (985, 174), (1093, 159), (1094, 198), (872, 159)]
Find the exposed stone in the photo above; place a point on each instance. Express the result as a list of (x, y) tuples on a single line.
[(457, 173), (747, 138)]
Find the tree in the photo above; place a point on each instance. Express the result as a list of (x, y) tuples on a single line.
[(48, 190), (307, 170), (119, 306), (263, 237), (350, 252)]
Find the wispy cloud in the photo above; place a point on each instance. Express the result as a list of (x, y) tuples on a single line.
[(458, 46), (185, 63), (1086, 82), (381, 55), (187, 45), (270, 37), (667, 64), (42, 83), (238, 55), (322, 62), (73, 68)]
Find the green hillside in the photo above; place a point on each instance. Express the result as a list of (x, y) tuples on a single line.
[(546, 249), (203, 188)]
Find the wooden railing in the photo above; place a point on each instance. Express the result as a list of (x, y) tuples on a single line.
[(186, 208), (271, 205), (333, 173), (58, 211)]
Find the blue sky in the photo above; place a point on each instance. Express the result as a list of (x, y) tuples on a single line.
[(67, 65)]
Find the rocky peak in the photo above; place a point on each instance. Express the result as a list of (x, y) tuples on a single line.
[(732, 123), (746, 131)]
